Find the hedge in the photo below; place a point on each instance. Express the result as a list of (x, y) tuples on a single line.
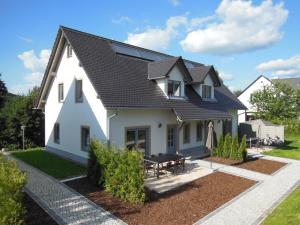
[(119, 170), (12, 181)]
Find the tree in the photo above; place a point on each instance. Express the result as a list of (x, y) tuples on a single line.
[(234, 148), (237, 92), (277, 101), (3, 92), (219, 149), (227, 146), (243, 149)]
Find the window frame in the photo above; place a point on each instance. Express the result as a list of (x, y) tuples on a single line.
[(69, 51), (56, 133), (186, 133), (204, 91), (78, 100), (174, 82), (61, 92), (199, 131), (82, 146)]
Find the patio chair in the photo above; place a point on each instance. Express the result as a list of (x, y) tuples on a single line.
[(149, 166), (180, 163), (169, 167)]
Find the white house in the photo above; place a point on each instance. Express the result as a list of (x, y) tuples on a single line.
[(245, 97), (129, 96)]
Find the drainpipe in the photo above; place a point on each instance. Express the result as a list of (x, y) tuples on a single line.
[(180, 122), (108, 126)]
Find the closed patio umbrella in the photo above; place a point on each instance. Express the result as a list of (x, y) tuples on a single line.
[(210, 143)]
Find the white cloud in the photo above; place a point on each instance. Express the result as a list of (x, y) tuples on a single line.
[(28, 40), (199, 22), (225, 76), (175, 2), (240, 26), (122, 19), (36, 64), (157, 38), (281, 67)]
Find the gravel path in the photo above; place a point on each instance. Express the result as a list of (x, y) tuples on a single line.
[(254, 205), (63, 204)]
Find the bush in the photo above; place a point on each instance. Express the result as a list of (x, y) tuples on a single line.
[(243, 149), (94, 171), (12, 181), (219, 149), (227, 146), (234, 148), (122, 172)]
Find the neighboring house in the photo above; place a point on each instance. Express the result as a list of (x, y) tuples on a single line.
[(246, 95), (293, 82), (130, 97)]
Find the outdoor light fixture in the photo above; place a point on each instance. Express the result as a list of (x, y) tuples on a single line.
[(159, 125)]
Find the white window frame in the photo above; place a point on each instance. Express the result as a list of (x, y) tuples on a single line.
[(61, 92), (173, 88), (186, 131), (205, 92), (85, 147), (77, 98), (69, 51)]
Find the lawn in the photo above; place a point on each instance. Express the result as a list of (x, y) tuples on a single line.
[(49, 163), (290, 149), (287, 213)]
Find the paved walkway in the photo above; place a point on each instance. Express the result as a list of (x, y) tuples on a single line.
[(253, 205), (63, 204)]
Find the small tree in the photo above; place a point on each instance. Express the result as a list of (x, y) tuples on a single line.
[(234, 148), (219, 149), (243, 149), (227, 146), (3, 91)]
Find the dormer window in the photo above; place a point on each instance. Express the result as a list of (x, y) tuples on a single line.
[(206, 91), (174, 88)]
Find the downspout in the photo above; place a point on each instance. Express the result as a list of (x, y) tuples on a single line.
[(180, 122), (108, 126)]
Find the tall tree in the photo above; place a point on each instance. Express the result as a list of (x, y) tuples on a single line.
[(3, 91), (278, 101)]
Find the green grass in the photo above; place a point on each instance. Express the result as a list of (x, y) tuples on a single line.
[(287, 213), (49, 163), (290, 149)]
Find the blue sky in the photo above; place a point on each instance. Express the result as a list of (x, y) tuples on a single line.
[(242, 39)]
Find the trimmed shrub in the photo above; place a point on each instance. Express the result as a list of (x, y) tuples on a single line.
[(219, 149), (234, 148), (227, 146), (12, 181), (122, 172), (243, 149), (94, 171)]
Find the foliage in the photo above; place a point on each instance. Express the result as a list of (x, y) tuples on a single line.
[(291, 126), (94, 170), (237, 93), (242, 152), (219, 149), (18, 111), (12, 181), (278, 101), (49, 163), (234, 153), (3, 92), (121, 170), (287, 213), (227, 146)]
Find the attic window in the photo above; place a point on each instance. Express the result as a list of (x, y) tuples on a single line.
[(206, 91), (69, 51), (174, 88)]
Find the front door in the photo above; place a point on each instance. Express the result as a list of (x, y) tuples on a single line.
[(138, 138), (171, 139)]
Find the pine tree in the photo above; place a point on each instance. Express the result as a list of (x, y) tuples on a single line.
[(219, 149), (234, 148), (3, 92), (227, 146), (243, 149)]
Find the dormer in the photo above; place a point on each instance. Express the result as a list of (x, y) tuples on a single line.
[(171, 76), (205, 79)]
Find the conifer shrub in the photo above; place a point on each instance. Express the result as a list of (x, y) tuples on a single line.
[(227, 146), (234, 153), (243, 149), (219, 149)]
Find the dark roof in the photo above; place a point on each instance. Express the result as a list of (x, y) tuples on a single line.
[(253, 83), (199, 73), (293, 82), (122, 81)]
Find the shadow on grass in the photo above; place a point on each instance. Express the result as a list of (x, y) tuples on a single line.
[(286, 146)]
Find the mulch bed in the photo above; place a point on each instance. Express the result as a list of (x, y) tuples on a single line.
[(183, 206), (35, 215), (254, 164)]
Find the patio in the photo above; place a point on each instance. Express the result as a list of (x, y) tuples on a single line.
[(169, 181)]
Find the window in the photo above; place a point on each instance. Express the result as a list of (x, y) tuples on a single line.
[(60, 92), (56, 134), (186, 133), (69, 51), (174, 88), (85, 139), (78, 91), (206, 91), (199, 132), (137, 138)]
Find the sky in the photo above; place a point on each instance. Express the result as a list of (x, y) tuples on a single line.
[(241, 38)]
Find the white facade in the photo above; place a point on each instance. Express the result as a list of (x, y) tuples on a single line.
[(70, 115), (245, 97)]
